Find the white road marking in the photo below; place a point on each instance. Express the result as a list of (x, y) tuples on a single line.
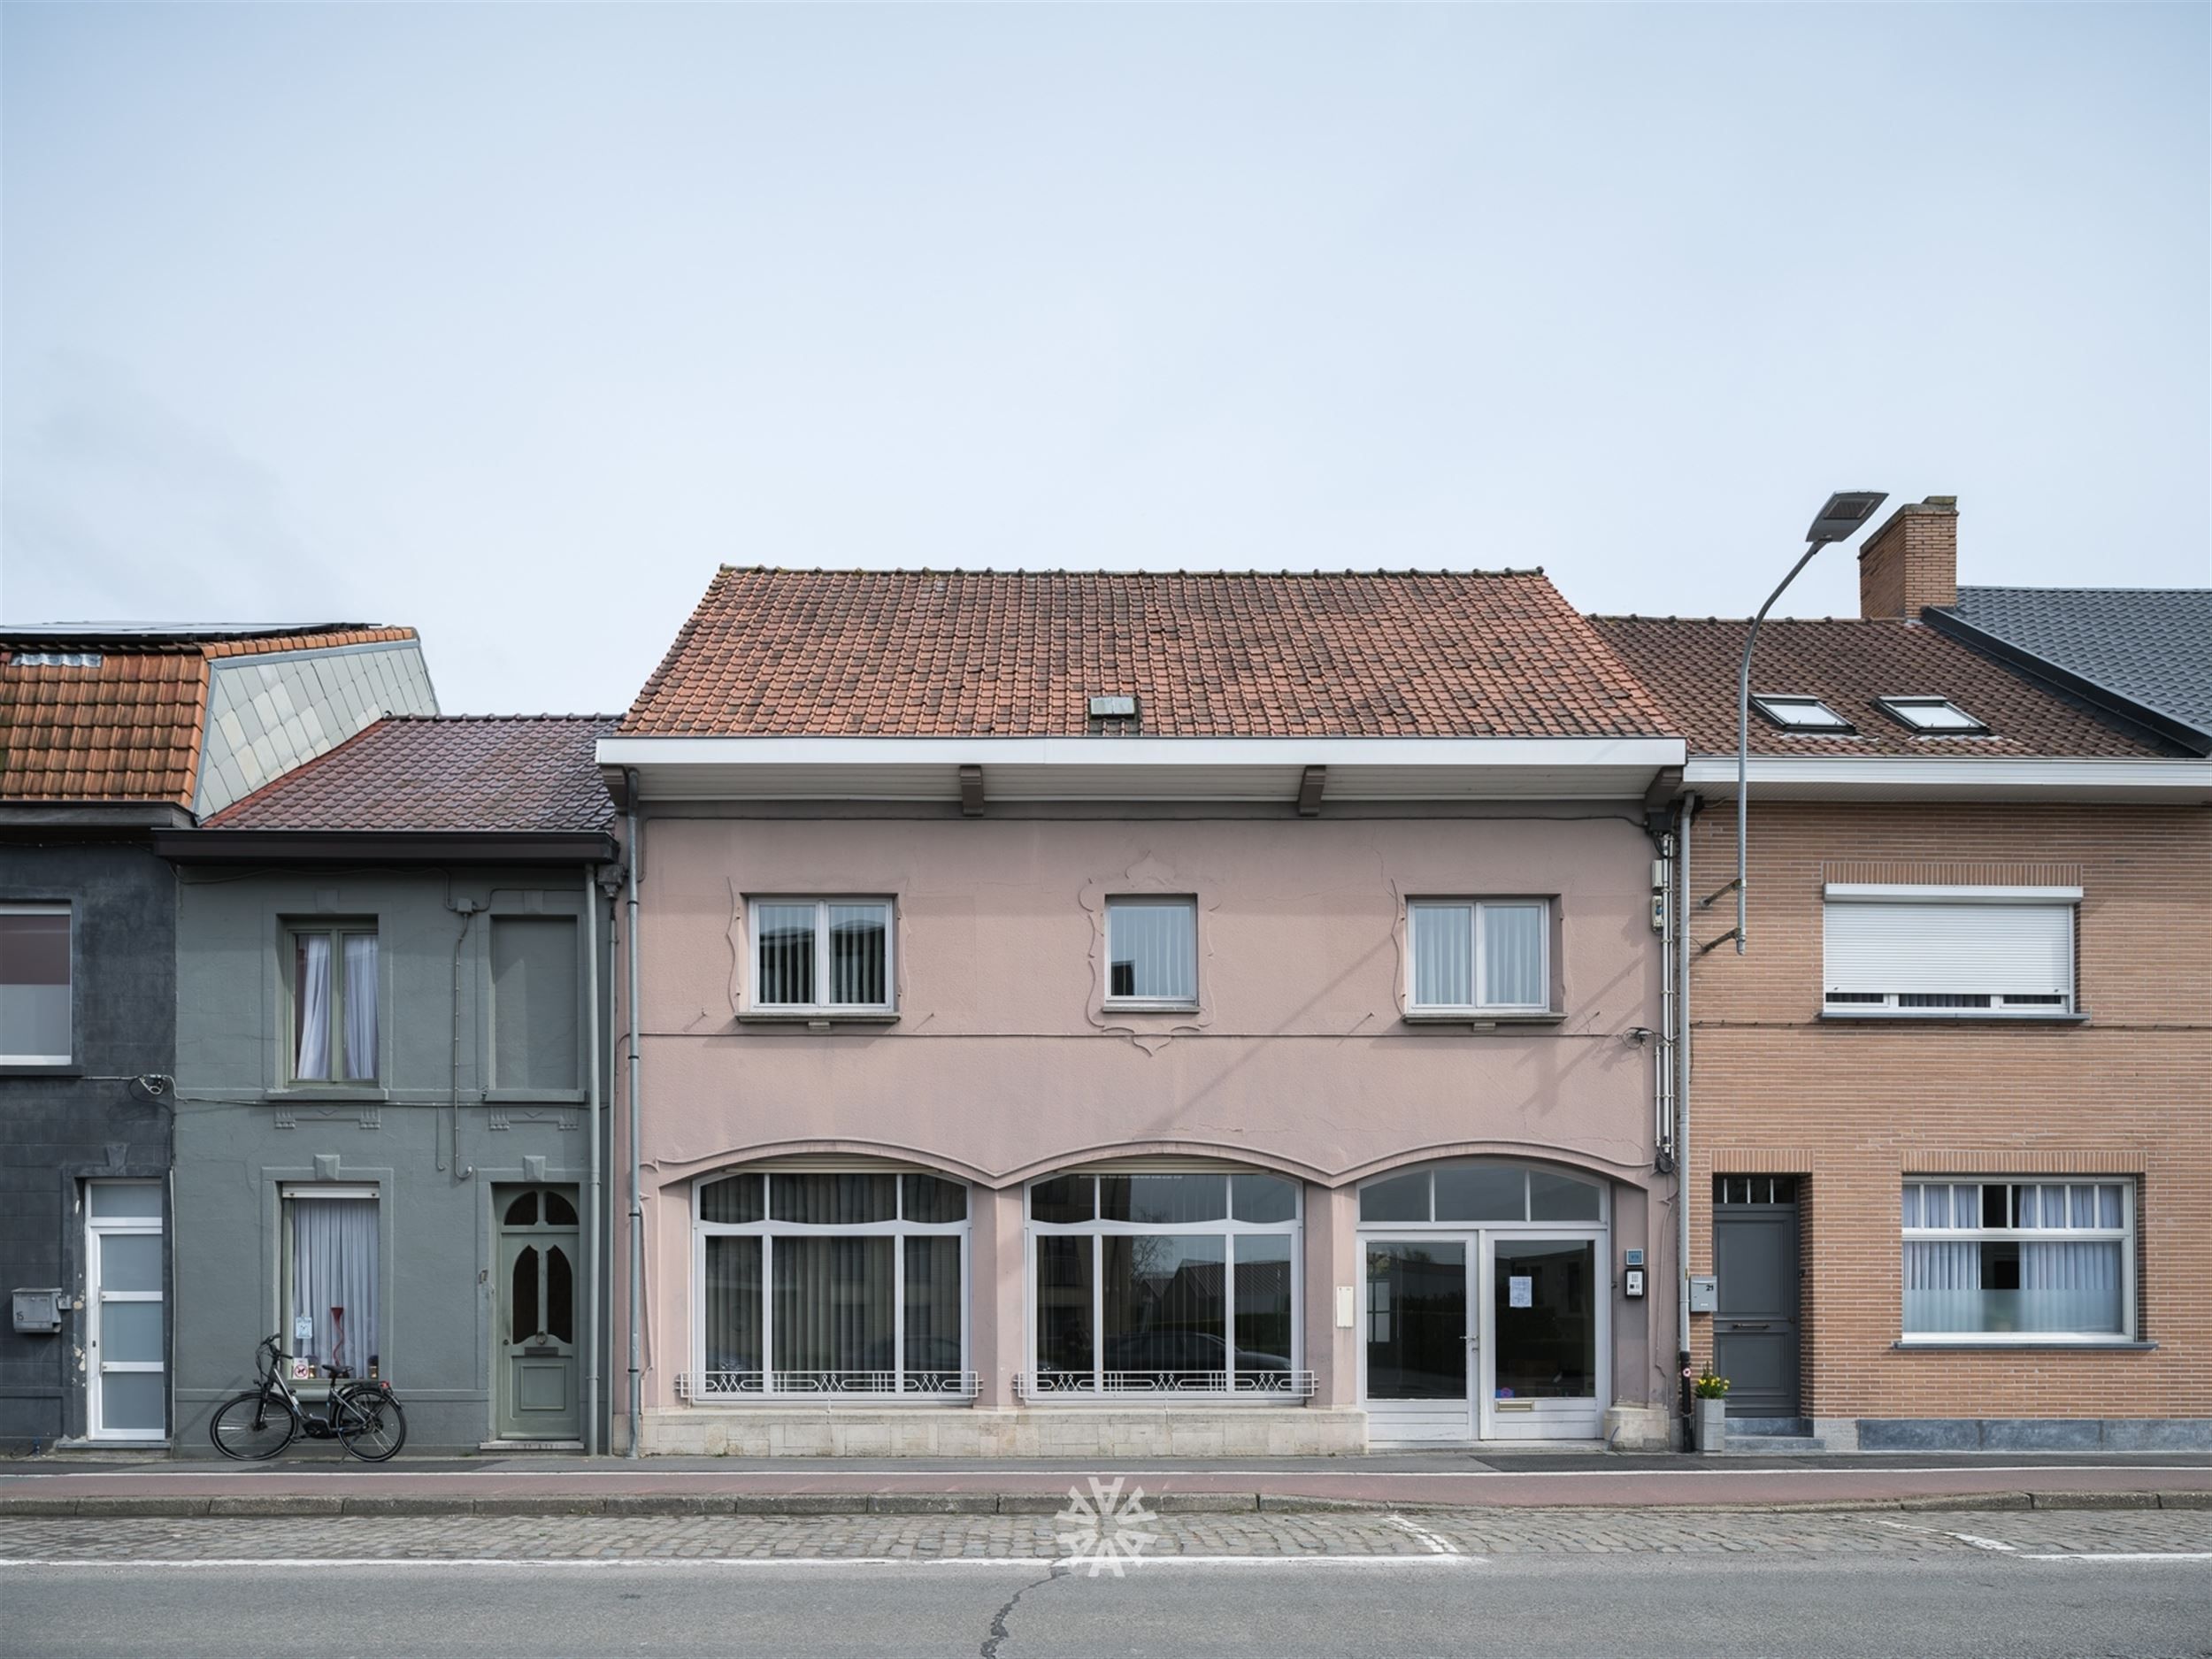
[(1430, 1540), (598, 1562), (1936, 1531), (2205, 1554)]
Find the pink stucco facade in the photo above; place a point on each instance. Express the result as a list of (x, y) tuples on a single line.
[(1004, 1065)]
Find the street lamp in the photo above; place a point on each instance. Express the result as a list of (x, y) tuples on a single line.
[(1838, 520)]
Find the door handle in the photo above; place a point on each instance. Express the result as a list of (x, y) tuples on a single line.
[(1750, 1325)]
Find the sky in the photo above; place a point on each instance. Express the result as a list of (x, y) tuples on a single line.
[(512, 322)]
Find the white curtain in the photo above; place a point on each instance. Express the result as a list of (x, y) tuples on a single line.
[(311, 1008), (360, 1005), (334, 1282), (2071, 1288), (1513, 956), (1943, 1286), (1443, 955)]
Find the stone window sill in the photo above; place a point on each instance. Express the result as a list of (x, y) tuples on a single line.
[(1963, 1016), (820, 1020), (536, 1096), (1479, 1021), (2025, 1345), (12, 1068), (337, 1094), (1148, 1008)]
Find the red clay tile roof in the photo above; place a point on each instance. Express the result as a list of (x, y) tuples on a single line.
[(981, 653), (130, 728), (1690, 665), (442, 773)]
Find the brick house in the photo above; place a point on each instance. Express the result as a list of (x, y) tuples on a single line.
[(1093, 1014), (1950, 1118)]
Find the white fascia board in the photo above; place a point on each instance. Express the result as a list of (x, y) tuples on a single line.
[(1655, 753), (1815, 776)]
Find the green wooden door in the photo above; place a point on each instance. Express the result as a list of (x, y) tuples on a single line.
[(535, 1349)]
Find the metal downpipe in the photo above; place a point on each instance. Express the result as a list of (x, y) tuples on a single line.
[(637, 1207), (592, 1350), (1682, 955)]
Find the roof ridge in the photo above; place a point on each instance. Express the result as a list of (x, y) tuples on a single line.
[(1181, 573)]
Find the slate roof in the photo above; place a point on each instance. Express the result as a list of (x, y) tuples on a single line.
[(130, 728), (2151, 646), (1690, 666), (442, 773), (976, 653)]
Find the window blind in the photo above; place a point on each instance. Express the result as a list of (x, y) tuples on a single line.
[(1974, 949)]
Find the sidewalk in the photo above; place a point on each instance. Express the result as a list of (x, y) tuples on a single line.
[(320, 1481)]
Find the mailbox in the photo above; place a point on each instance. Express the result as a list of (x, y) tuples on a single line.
[(38, 1312), (1704, 1293)]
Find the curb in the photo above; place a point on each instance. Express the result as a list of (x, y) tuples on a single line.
[(807, 1503)]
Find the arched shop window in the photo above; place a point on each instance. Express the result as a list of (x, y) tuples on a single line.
[(830, 1282), (1179, 1282), (1482, 1192)]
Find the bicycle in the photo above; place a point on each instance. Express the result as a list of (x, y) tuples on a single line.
[(256, 1426)]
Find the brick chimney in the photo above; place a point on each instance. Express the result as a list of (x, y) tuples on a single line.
[(1912, 561)]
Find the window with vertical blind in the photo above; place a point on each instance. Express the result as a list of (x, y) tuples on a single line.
[(1480, 954), (35, 985), (815, 1282), (1152, 952), (1957, 950), (821, 955)]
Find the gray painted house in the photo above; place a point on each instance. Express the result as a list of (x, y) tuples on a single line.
[(108, 735), (390, 1020)]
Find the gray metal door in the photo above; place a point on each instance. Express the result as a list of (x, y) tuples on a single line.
[(1754, 1327), (534, 1342)]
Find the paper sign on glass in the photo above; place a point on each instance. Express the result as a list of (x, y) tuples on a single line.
[(303, 1329), (1520, 1290)]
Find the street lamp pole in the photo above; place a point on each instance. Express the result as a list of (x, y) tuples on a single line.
[(1844, 511)]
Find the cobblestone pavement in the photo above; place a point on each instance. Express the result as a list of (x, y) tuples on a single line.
[(922, 1538)]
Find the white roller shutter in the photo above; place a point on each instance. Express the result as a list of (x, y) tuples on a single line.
[(1972, 948)]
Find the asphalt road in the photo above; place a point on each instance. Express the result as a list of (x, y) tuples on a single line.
[(1988, 1606)]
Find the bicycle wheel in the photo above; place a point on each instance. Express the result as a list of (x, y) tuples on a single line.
[(252, 1427), (371, 1425)]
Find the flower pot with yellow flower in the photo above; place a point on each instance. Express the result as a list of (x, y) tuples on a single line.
[(1710, 1400)]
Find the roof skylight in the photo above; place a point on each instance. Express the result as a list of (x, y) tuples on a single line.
[(56, 659), (1799, 714), (1938, 717)]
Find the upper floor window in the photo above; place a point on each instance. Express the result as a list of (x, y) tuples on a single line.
[(822, 954), (2041, 1258), (1152, 951), (1488, 954), (35, 989), (1801, 714), (534, 1004), (1948, 951), (334, 1003)]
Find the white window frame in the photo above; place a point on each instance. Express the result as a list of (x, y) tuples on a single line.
[(96, 1228), (50, 907), (1186, 902), (821, 902), (2124, 1233), (1768, 704), (1102, 1386), (1475, 907), (1898, 709), (702, 1386), (1888, 1004), (336, 930)]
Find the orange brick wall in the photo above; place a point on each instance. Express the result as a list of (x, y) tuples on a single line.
[(1853, 1108)]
